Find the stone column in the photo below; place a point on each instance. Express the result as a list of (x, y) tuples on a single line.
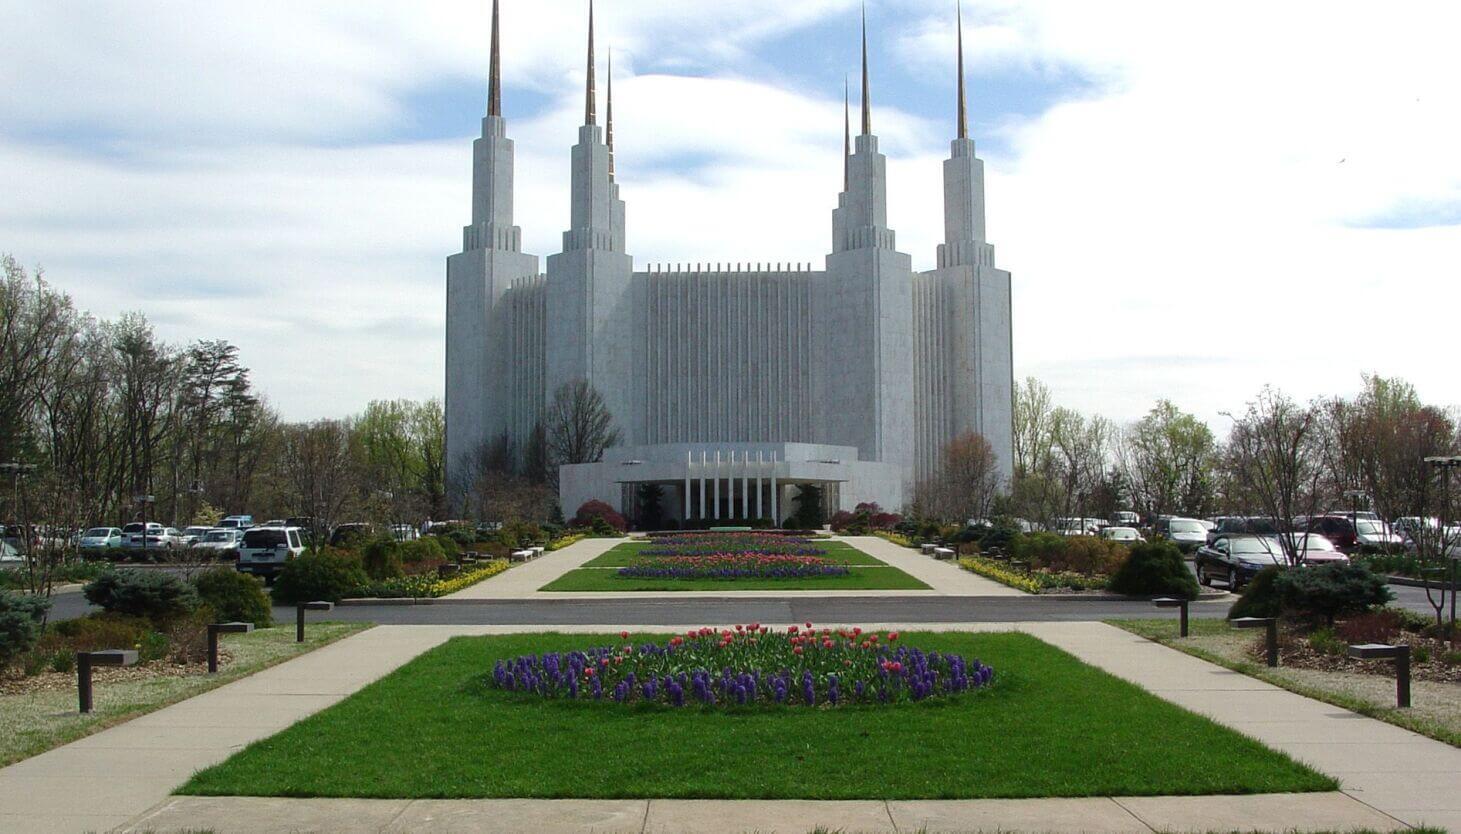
[(717, 483), (686, 491), (760, 465), (702, 483)]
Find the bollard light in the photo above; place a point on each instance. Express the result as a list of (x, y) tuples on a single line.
[(1401, 656), (1269, 623), (86, 660), (317, 605), (215, 629), (1179, 603)]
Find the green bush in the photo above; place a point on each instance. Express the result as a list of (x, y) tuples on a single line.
[(156, 595), (1154, 569), (330, 575), (1039, 549), (1090, 555), (450, 550), (1329, 591), (381, 558), (96, 632), (1260, 596), (234, 596), (421, 550), (1325, 641), (21, 618)]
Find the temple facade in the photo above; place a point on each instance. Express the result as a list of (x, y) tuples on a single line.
[(733, 385)]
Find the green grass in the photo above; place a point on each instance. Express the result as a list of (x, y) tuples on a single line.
[(1215, 641), (38, 721), (868, 574), (838, 553), (1049, 726)]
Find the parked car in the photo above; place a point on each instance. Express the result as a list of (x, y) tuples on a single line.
[(1236, 559), (1125, 518), (1356, 514), (220, 541), (264, 551), (237, 522), (1244, 525), (155, 535), (192, 535), (101, 538), (1314, 549), (1187, 533), (347, 535), (1122, 534), (1350, 534)]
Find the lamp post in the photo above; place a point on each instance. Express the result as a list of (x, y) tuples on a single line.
[(1355, 496), (86, 660), (215, 629), (299, 610), (1270, 624), (143, 500)]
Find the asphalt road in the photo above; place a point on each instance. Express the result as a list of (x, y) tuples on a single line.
[(717, 611)]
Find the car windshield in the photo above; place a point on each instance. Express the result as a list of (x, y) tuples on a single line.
[(99, 532), (263, 538), (1373, 528), (1253, 546), (1313, 542), (1180, 525), (218, 536), (132, 528), (1257, 525)]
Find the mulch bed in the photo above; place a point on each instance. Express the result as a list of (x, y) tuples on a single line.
[(15, 682), (1294, 651)]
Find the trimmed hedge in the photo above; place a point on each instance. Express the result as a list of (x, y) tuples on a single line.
[(1154, 569), (329, 576), (234, 596)]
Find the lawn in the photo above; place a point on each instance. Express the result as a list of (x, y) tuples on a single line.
[(1049, 726), (867, 574), (35, 722), (1435, 710)]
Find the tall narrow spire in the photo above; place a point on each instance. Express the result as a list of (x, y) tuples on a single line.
[(494, 75), (963, 111), (609, 111), (588, 106), (867, 113), (846, 132)]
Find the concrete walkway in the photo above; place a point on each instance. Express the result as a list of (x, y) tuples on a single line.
[(944, 578), (1121, 815), (123, 776)]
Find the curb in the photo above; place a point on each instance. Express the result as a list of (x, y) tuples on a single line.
[(1407, 582), (388, 601), (1205, 595)]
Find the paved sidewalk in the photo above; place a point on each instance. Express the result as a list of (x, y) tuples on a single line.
[(523, 581), (1122, 815), (115, 777)]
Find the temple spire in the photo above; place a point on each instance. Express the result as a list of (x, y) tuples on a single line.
[(494, 75), (609, 112), (846, 132), (588, 106), (963, 111), (867, 114)]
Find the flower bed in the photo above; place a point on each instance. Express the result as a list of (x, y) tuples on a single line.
[(428, 585), (732, 566), (706, 544), (1034, 582), (748, 665)]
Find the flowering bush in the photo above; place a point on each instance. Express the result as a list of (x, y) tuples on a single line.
[(594, 509), (747, 665), (422, 586), (1034, 581), (732, 566)]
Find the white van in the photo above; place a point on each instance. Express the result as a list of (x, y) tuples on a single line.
[(263, 551)]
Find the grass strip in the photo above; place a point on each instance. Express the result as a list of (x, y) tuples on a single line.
[(1165, 632), (1049, 726), (35, 722)]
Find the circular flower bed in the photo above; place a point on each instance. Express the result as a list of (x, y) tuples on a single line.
[(748, 665), (732, 566)]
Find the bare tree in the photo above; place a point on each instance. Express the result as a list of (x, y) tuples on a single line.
[(321, 471), (1276, 452), (966, 483), (579, 426), (1167, 458)]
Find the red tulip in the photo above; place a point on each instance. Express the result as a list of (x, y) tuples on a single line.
[(892, 635), (797, 650), (624, 635), (588, 673)]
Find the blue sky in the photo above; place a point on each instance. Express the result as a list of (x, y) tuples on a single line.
[(292, 176)]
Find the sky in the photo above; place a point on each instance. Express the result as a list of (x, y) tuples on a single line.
[(1195, 199)]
